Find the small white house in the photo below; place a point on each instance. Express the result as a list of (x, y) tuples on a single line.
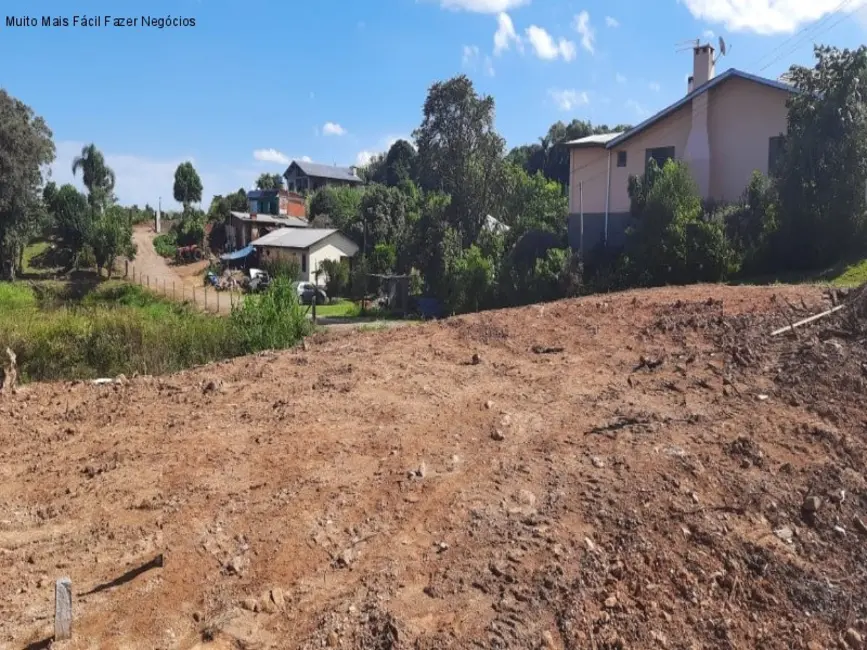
[(309, 247)]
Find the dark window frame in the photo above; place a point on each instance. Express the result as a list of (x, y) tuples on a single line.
[(621, 159), (660, 154), (304, 262), (775, 152)]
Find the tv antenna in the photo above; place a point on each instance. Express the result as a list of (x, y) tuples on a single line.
[(691, 44)]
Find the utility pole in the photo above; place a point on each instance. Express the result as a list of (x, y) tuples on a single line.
[(159, 213)]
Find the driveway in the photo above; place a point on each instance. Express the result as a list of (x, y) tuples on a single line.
[(152, 270)]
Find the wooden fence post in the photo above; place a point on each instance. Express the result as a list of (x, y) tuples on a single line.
[(206, 298), (63, 609), (173, 289)]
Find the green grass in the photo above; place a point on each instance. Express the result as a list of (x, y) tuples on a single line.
[(852, 276), (340, 309), (59, 332)]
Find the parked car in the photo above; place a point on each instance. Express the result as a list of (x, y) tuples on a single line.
[(259, 281), (308, 292)]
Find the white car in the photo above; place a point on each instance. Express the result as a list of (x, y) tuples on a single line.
[(308, 292)]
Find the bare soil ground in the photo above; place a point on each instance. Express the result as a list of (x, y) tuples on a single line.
[(644, 470)]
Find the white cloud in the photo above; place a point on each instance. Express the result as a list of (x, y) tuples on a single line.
[(567, 100), (655, 87), (588, 34), (471, 53), (489, 66), (620, 78), (364, 158), (611, 22), (271, 155), (471, 59), (332, 128), (506, 35), (637, 108), (765, 16), (707, 34), (483, 6), (547, 48)]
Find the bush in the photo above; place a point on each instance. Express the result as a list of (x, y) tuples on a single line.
[(558, 275), (166, 245), (289, 270), (336, 276), (673, 243), (470, 282), (270, 321)]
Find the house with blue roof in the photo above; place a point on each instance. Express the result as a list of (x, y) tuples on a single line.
[(725, 127)]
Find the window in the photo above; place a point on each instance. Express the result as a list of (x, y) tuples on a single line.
[(775, 153), (660, 154), (621, 159), (303, 263)]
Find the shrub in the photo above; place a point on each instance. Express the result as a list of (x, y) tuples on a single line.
[(289, 270), (336, 276), (270, 321), (166, 245), (470, 282), (673, 243)]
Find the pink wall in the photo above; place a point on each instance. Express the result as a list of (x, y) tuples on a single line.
[(742, 116)]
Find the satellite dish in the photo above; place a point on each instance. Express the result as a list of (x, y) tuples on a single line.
[(722, 46)]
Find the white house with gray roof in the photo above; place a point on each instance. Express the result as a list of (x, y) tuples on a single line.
[(309, 247), (308, 176)]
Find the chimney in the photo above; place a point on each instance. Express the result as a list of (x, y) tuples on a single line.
[(253, 216), (702, 65), (690, 84), (353, 168)]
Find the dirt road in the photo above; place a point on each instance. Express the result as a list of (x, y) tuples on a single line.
[(152, 270), (645, 470)]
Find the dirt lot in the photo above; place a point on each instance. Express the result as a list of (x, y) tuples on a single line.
[(647, 470)]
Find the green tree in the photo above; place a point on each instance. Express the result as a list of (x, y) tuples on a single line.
[(471, 279), (238, 201), (26, 149), (823, 174), (383, 218), (672, 243), (73, 218), (336, 276), (460, 153), (269, 182), (96, 175), (111, 237), (400, 164), (341, 205), (532, 202), (188, 186)]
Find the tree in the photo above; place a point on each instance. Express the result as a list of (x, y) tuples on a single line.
[(383, 218), (460, 153), (188, 186), (269, 182), (96, 175), (110, 238), (73, 218), (823, 174), (336, 276), (238, 201), (340, 204), (532, 202), (26, 149), (400, 164)]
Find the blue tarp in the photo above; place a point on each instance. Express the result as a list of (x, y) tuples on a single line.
[(237, 255)]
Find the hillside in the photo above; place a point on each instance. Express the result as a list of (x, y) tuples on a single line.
[(647, 469)]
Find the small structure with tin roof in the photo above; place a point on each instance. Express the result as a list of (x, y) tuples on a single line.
[(309, 247), (309, 176)]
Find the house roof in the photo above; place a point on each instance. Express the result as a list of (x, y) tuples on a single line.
[(597, 140), (277, 219), (326, 171), (295, 237), (731, 73)]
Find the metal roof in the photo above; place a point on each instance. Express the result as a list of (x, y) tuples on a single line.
[(277, 219), (298, 238), (597, 140), (326, 171), (731, 73)]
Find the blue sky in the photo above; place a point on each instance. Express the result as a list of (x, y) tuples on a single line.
[(256, 83)]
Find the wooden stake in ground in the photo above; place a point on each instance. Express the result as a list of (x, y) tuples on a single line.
[(10, 373), (792, 326), (63, 609)]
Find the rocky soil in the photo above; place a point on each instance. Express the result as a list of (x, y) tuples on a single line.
[(648, 469)]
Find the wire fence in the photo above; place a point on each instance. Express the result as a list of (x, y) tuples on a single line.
[(205, 298)]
